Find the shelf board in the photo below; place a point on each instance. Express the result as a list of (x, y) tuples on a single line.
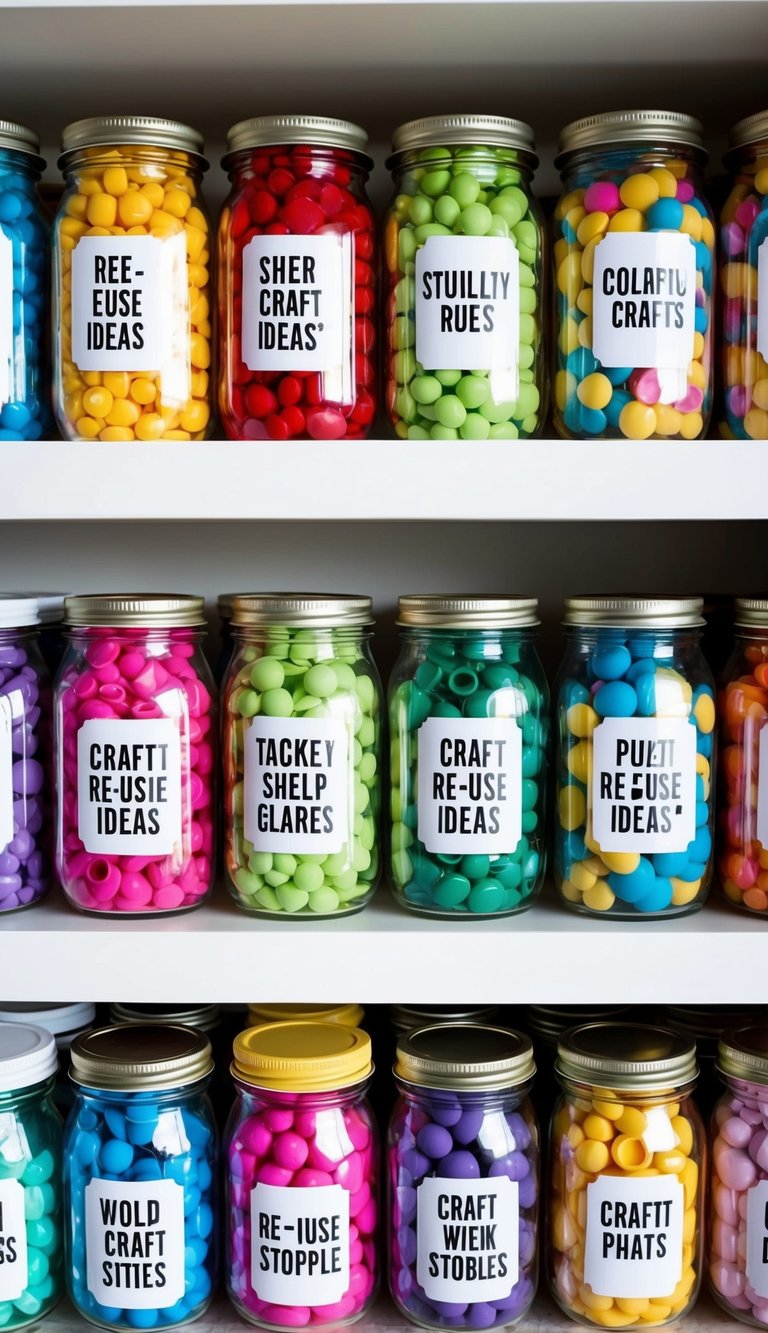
[(384, 480), (384, 954)]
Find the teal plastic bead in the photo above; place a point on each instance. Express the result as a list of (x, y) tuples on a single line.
[(486, 896), (452, 890)]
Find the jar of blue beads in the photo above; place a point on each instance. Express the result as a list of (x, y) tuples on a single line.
[(24, 409), (635, 758), (468, 726), (31, 1268), (140, 1177)]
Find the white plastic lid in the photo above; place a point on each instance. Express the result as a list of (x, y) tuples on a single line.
[(55, 1018), (50, 606), (18, 610), (27, 1056)]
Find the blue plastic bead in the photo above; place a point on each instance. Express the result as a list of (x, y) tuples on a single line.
[(666, 215), (616, 699), (611, 663)]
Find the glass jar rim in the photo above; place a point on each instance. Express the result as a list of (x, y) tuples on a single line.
[(458, 131), (617, 129), (293, 131), (129, 131), (301, 610), (16, 138), (750, 612), (627, 1056), (743, 1054), (296, 1057), (466, 1057), (630, 613), (140, 1057), (146, 610), (457, 611), (748, 132)]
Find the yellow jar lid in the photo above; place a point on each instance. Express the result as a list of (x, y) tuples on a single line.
[(302, 1057), (348, 1015)]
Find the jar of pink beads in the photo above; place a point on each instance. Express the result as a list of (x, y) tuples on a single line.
[(135, 741), (301, 1157)]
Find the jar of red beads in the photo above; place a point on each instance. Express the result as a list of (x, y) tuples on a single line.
[(296, 282)]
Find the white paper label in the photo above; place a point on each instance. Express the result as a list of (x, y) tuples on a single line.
[(470, 785), (467, 308), (644, 302), (130, 307), (297, 784), (634, 1243), (13, 1241), (7, 387), (757, 1237), (762, 787), (129, 786), (644, 784), (6, 772), (300, 1244), (762, 298), (134, 1243), (297, 307), (468, 1238)]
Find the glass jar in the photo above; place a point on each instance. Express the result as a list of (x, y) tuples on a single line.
[(301, 736), (226, 643), (546, 1025), (302, 1166), (627, 1155), (346, 1015), (25, 705), (131, 283), (738, 1234), (31, 1271), (463, 250), (64, 1022), (743, 279), (635, 752), (634, 274), (24, 405), (469, 721), (140, 1177), (297, 282), (50, 609), (705, 1026), (742, 860), (135, 742)]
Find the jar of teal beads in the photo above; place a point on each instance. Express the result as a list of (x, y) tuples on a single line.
[(463, 248), (468, 725)]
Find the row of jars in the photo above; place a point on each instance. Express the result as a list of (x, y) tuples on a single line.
[(137, 353), (136, 767), (124, 1210)]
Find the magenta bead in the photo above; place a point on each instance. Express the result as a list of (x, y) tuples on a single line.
[(602, 197)]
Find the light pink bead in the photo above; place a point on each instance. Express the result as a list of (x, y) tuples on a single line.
[(736, 1132)]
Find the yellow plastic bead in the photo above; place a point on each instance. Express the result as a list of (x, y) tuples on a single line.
[(177, 202), (123, 413), (98, 402), (630, 1154), (689, 1226), (111, 434), (581, 719), (150, 426), (704, 712), (569, 275), (579, 760), (592, 1301), (668, 419), (690, 1181), (592, 225), (195, 241), (154, 192), (760, 394), (637, 421), (585, 327), (177, 435), (588, 260), (134, 209), (611, 1110), (115, 181), (118, 382), (657, 1312), (691, 426), (639, 191), (581, 878), (627, 219), (633, 1305), (600, 898), (691, 223), (573, 807), (143, 392), (573, 895), (598, 1127), (102, 210), (613, 1318), (195, 416), (707, 233), (595, 391), (585, 301), (623, 863), (200, 352), (87, 427), (632, 1122), (666, 182), (592, 1157), (670, 1162)]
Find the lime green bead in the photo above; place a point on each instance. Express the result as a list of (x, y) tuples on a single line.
[(405, 404), (261, 862), (447, 211), (448, 378), (267, 674), (499, 227), (267, 899), (527, 329), (475, 220), (275, 879), (346, 883), (497, 412), (276, 703), (420, 210), (475, 427), (472, 390), (285, 863), (291, 899), (365, 693), (527, 400), (248, 703), (324, 900), (504, 430), (403, 332), (247, 882), (308, 877), (464, 188), (507, 208), (422, 234), (526, 356), (527, 275), (406, 248), (417, 433), (435, 183), (335, 864), (405, 295), (366, 732), (450, 411), (426, 389), (321, 681), (528, 301), (367, 768), (443, 433)]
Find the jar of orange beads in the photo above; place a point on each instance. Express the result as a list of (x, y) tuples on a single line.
[(743, 787)]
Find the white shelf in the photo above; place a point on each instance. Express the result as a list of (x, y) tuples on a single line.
[(544, 956), (385, 480)]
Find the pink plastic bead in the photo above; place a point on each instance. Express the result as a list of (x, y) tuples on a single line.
[(602, 197), (739, 1164)]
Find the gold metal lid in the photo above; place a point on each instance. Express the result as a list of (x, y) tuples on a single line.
[(140, 1057), (455, 611), (272, 131), (634, 612), (146, 131), (750, 611), (302, 1057), (224, 603), (621, 127), (626, 1056), (348, 1015), (406, 1017), (475, 131), (465, 1056), (18, 139), (204, 1017), (744, 1054), (749, 130), (548, 1023), (150, 610), (305, 610)]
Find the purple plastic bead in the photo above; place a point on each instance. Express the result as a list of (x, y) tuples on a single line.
[(25, 696)]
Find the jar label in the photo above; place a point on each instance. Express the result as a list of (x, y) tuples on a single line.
[(644, 305), (134, 1243), (8, 391), (297, 785), (467, 309), (299, 1244), (644, 784), (13, 1240), (297, 307), (634, 1241), (129, 786), (757, 1237), (470, 785), (6, 771), (761, 826), (762, 298), (130, 308), (468, 1235)]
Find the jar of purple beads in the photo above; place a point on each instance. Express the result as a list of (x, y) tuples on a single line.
[(463, 1177), (24, 723)]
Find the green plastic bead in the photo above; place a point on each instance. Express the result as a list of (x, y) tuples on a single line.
[(276, 703), (267, 674), (450, 411), (435, 183), (447, 211), (448, 378), (475, 427), (464, 188), (324, 900), (451, 890), (475, 220), (426, 389), (321, 681), (472, 390), (292, 899)]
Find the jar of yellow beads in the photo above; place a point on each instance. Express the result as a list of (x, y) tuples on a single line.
[(131, 283)]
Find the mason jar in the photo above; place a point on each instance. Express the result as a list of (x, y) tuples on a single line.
[(140, 1177), (469, 722), (464, 250), (301, 736), (32, 1267), (24, 401), (132, 314), (64, 1022), (302, 1172), (634, 279), (742, 858), (25, 728), (635, 756), (297, 282), (626, 1195), (705, 1025), (463, 1178), (743, 279), (135, 742)]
